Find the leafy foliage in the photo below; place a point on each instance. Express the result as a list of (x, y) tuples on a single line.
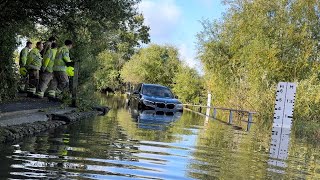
[(188, 85), (93, 25), (108, 75), (258, 44), (8, 83), (155, 64)]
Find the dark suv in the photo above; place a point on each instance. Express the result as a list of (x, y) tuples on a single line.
[(154, 97)]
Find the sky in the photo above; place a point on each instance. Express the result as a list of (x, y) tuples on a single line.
[(177, 22)]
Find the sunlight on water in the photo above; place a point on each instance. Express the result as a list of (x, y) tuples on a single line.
[(127, 144)]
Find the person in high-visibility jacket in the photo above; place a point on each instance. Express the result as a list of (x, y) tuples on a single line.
[(46, 72), (60, 77), (22, 63), (33, 65), (47, 45)]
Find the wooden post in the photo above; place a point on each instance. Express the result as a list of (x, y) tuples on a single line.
[(214, 113), (249, 121), (230, 117), (75, 84)]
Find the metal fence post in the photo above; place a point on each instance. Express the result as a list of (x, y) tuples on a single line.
[(214, 113), (249, 121), (230, 117)]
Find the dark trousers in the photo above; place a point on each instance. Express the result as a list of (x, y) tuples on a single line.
[(45, 79), (33, 80), (60, 81)]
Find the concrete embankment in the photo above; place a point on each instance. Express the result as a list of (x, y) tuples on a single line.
[(38, 117)]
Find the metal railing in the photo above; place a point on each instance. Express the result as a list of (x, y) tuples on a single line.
[(231, 113)]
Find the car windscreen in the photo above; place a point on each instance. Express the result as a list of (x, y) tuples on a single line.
[(157, 91)]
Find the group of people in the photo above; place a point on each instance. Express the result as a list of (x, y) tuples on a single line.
[(45, 68)]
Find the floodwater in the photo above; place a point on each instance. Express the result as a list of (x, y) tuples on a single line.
[(126, 144)]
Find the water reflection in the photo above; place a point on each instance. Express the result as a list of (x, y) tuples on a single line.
[(279, 147), (122, 145), (154, 120)]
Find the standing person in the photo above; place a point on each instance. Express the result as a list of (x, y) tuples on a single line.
[(33, 64), (47, 71), (47, 45), (23, 70), (60, 79)]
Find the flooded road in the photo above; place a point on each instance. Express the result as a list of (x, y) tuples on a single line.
[(126, 144)]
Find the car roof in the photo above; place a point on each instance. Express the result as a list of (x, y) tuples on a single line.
[(157, 85)]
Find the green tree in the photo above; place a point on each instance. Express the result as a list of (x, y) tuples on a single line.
[(108, 75), (95, 33), (110, 62), (155, 64), (93, 25), (188, 85), (258, 44)]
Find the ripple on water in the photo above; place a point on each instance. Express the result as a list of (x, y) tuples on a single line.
[(118, 147)]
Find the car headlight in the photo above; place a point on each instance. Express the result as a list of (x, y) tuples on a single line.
[(179, 106), (149, 103)]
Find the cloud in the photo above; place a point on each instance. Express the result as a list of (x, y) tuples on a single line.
[(163, 17), (166, 19), (188, 55)]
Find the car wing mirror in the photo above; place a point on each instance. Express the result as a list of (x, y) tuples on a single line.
[(135, 92), (176, 97)]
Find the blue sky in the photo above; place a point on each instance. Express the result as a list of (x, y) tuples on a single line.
[(176, 22)]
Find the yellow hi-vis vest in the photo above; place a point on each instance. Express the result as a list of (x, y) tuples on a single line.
[(61, 59), (34, 60), (48, 60), (23, 57)]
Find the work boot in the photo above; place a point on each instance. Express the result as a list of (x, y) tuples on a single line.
[(31, 92), (39, 95), (51, 94)]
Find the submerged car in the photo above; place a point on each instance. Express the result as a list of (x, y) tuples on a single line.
[(154, 97)]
